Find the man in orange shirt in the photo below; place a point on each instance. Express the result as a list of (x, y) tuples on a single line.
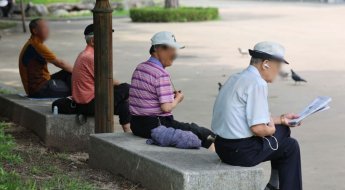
[(83, 85), (33, 66)]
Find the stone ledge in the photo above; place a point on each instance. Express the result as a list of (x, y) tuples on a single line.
[(60, 132), (159, 168)]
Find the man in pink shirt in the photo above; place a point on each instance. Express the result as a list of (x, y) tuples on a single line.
[(83, 85)]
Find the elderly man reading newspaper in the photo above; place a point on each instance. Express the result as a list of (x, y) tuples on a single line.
[(246, 132)]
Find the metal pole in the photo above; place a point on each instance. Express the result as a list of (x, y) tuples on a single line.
[(104, 113)]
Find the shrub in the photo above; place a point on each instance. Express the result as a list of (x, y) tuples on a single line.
[(181, 14)]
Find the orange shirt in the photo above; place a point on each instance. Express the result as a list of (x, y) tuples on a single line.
[(83, 77), (33, 68)]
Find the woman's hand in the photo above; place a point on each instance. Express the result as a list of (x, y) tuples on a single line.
[(286, 118)]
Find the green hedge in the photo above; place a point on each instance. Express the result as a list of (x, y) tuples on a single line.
[(181, 14)]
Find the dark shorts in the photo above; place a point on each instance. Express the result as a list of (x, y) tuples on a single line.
[(58, 86)]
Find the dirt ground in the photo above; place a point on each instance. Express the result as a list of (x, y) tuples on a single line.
[(312, 33), (41, 164)]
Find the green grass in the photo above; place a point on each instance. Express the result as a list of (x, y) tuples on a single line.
[(10, 180), (181, 14), (66, 182), (57, 1), (6, 146), (119, 13), (51, 1), (6, 24), (5, 91)]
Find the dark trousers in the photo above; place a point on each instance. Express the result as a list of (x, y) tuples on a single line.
[(8, 9), (121, 106), (58, 86), (254, 150), (142, 125)]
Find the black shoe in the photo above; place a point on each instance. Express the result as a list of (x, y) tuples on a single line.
[(270, 187)]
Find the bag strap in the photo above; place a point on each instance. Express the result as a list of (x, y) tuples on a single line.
[(81, 119)]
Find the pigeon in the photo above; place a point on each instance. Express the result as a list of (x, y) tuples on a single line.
[(283, 74), (219, 86), (296, 77), (242, 52)]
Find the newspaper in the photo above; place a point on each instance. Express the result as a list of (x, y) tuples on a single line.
[(318, 105)]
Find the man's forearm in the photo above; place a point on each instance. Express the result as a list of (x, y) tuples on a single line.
[(263, 130), (168, 107), (63, 65), (67, 67), (277, 120)]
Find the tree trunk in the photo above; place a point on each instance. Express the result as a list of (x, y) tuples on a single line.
[(104, 102), (171, 3)]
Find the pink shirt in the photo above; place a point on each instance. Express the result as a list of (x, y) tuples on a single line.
[(83, 77)]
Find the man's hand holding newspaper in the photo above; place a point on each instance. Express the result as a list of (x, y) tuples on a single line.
[(318, 105)]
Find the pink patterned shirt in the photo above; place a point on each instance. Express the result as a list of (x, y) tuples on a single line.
[(150, 87)]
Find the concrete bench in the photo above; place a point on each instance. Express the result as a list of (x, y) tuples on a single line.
[(162, 168), (61, 132)]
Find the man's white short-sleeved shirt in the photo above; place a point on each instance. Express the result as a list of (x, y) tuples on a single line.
[(242, 102)]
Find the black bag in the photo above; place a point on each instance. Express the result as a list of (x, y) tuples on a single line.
[(65, 106)]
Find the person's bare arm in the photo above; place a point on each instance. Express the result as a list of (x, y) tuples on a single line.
[(277, 120), (263, 130), (62, 65), (168, 107)]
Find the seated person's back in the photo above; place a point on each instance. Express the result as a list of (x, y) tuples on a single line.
[(33, 66), (150, 88), (83, 80), (152, 96), (83, 84)]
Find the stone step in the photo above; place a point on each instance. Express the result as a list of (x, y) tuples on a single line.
[(165, 168), (60, 132)]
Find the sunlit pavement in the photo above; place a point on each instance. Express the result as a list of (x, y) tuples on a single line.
[(313, 35)]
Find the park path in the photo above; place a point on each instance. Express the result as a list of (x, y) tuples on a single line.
[(314, 41)]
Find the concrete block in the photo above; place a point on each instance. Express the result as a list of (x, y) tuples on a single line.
[(60, 132), (162, 168)]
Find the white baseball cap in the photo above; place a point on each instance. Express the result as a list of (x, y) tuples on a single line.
[(269, 50), (166, 38)]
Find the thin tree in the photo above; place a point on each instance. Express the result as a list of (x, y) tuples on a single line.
[(171, 3), (23, 15)]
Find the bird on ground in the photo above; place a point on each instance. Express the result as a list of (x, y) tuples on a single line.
[(242, 52), (283, 74), (219, 86), (296, 77)]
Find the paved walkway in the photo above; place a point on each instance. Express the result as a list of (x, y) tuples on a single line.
[(314, 39)]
